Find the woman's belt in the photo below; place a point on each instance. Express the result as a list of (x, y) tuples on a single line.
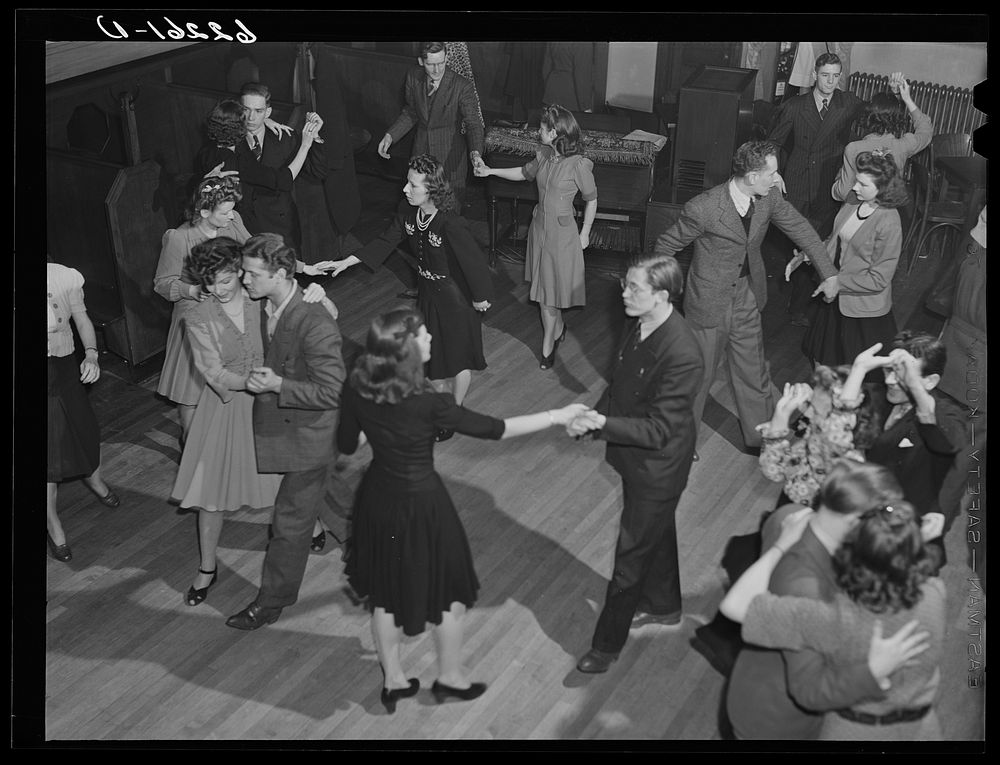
[(431, 276), (896, 716)]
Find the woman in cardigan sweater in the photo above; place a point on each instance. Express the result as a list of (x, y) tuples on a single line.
[(865, 246)]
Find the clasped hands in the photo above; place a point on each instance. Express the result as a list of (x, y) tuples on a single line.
[(586, 421)]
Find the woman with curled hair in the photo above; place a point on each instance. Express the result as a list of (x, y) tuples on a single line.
[(218, 469), (225, 128), (411, 559), (455, 286), (554, 258), (865, 246), (887, 586), (211, 214), (884, 124)]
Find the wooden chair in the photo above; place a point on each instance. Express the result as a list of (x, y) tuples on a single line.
[(947, 145), (932, 214)]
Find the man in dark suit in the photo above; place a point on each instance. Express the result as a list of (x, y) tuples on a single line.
[(265, 209), (781, 695), (297, 395), (645, 416), (818, 124), (727, 284), (438, 102)]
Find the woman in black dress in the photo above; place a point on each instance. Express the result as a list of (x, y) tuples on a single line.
[(411, 558), (456, 285)]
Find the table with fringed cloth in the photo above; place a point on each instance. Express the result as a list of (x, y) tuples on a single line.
[(623, 171)]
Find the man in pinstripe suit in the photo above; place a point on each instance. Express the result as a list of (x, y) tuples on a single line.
[(817, 124), (438, 102)]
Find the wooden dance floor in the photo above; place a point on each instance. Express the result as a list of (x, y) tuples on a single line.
[(127, 660)]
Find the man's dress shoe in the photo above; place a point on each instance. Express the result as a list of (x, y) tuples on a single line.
[(642, 618), (595, 662), (253, 617)]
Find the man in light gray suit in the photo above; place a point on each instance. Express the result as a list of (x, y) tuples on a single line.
[(727, 285)]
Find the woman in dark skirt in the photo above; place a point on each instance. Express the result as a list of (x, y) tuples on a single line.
[(455, 286), (865, 246), (411, 558), (74, 438)]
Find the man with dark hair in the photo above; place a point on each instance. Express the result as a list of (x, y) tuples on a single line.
[(271, 209), (818, 124), (438, 102), (645, 416), (297, 395), (923, 429), (727, 284)]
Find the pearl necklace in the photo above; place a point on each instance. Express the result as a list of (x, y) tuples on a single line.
[(424, 224)]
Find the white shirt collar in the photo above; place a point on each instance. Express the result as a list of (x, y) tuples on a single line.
[(260, 137), (819, 99), (275, 313), (739, 197)]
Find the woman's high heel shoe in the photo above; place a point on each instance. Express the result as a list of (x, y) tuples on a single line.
[(318, 542), (389, 698), (61, 553), (549, 361), (196, 596), (442, 692)]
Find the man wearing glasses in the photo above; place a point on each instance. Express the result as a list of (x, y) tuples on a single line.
[(645, 415), (727, 283)]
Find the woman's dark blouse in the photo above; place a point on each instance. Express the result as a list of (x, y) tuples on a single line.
[(446, 248), (251, 171), (402, 434)]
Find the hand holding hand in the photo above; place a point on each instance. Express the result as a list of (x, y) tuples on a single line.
[(482, 306), (90, 370), (480, 169), (566, 414), (263, 380), (887, 655), (335, 267), (867, 360), (196, 293), (585, 422), (830, 287), (383, 147)]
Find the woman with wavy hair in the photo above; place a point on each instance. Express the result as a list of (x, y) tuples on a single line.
[(865, 246), (884, 124), (554, 258), (455, 285), (887, 585), (211, 214), (225, 128), (411, 559)]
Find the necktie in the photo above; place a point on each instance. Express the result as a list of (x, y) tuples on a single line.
[(256, 147), (825, 109), (431, 87)]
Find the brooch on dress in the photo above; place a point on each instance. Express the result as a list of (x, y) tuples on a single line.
[(410, 229), (434, 239)]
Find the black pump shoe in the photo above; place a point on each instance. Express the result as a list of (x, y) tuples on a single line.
[(196, 596), (389, 698), (61, 553), (442, 692), (318, 542), (549, 361)]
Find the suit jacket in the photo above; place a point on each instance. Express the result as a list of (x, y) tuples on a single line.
[(817, 147), (272, 209), (761, 702), (867, 262), (439, 121), (920, 455), (650, 427), (721, 243), (294, 429)]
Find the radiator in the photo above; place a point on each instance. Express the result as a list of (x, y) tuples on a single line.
[(949, 108)]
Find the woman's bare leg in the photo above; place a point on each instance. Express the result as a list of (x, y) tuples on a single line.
[(448, 636), (387, 638)]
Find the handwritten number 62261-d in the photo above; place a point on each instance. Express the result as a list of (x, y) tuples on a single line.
[(175, 32)]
